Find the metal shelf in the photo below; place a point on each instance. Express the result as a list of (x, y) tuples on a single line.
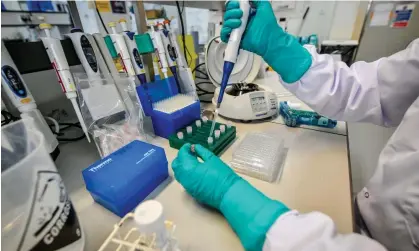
[(28, 18)]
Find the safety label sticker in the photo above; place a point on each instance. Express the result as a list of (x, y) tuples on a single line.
[(52, 223), (402, 15)]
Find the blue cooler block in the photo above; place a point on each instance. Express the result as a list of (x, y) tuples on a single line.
[(123, 179), (165, 124)]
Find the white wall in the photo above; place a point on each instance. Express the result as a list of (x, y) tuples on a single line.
[(327, 19), (317, 21), (197, 20), (366, 142), (344, 20)]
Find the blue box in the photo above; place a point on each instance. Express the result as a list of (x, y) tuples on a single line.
[(166, 124), (156, 91), (123, 179)]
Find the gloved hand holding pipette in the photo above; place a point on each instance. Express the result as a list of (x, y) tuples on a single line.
[(266, 38)]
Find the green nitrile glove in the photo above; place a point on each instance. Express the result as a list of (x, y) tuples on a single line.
[(249, 212), (266, 38)]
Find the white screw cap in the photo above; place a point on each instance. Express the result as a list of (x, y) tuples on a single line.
[(210, 140), (150, 219), (180, 135), (217, 134), (198, 123), (189, 129), (205, 119), (222, 128), (228, 124)]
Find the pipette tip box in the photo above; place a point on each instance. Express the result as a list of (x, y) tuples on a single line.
[(121, 180), (200, 136), (164, 123)]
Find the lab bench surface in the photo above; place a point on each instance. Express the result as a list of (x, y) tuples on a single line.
[(316, 177)]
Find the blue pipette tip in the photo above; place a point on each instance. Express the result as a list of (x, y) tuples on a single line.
[(227, 69), (142, 78)]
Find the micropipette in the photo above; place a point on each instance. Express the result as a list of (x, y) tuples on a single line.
[(180, 60), (121, 48), (160, 52), (59, 63), (15, 88), (169, 51), (135, 56), (230, 55)]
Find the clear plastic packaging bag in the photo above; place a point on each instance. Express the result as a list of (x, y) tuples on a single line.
[(126, 87), (111, 111)]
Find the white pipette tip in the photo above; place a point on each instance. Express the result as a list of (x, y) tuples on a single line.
[(189, 129), (222, 128), (217, 134), (210, 140), (198, 123), (80, 118), (180, 135)]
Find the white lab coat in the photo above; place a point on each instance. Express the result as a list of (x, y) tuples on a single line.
[(384, 92)]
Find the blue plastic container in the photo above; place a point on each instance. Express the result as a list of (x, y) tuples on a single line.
[(42, 6), (166, 124), (156, 91), (123, 179)]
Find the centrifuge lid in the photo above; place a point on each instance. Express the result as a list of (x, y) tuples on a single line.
[(245, 69)]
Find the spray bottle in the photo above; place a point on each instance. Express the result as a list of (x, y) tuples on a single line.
[(135, 56), (59, 63), (22, 99)]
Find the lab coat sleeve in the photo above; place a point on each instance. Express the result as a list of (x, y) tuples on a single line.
[(315, 232), (379, 92)]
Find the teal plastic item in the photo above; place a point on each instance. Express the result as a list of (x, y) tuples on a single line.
[(144, 43), (111, 47), (266, 38), (312, 39), (249, 212), (294, 118)]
